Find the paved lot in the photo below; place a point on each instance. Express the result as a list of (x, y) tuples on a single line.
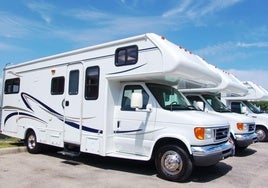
[(248, 169)]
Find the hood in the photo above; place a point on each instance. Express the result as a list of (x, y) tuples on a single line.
[(195, 118)]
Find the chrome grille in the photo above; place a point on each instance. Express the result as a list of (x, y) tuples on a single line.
[(221, 133), (251, 127)]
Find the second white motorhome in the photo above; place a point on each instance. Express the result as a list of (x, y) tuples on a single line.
[(242, 127), (244, 105), (116, 99)]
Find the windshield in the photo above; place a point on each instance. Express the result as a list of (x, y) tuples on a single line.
[(169, 98), (215, 103), (252, 107)]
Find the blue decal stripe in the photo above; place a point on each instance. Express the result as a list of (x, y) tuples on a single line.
[(72, 124), (44, 105), (10, 115), (88, 129), (21, 113), (130, 131)]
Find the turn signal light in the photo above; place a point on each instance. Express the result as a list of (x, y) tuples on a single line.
[(240, 126), (199, 133)]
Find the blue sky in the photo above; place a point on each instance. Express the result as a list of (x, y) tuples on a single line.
[(230, 34)]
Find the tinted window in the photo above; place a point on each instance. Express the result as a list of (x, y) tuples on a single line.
[(73, 82), (12, 86), (126, 56), (57, 85), (236, 107), (128, 90), (92, 83)]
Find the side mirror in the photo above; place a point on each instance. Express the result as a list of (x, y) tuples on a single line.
[(200, 105), (136, 100), (244, 110)]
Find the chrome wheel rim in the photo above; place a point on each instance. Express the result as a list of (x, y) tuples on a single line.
[(171, 162), (260, 134), (31, 142)]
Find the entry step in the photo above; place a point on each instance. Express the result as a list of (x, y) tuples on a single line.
[(69, 153)]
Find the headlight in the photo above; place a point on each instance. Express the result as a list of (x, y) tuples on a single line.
[(242, 126), (202, 133)]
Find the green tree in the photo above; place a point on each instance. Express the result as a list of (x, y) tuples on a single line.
[(263, 105)]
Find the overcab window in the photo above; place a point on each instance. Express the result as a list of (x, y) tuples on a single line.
[(126, 56)]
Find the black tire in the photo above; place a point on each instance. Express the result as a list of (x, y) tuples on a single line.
[(262, 134), (173, 163), (31, 143)]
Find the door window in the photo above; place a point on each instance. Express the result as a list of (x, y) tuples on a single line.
[(128, 90)]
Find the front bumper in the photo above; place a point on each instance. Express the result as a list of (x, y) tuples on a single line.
[(210, 155), (244, 140)]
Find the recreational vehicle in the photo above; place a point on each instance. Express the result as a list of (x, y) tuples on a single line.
[(117, 99), (244, 105), (208, 99)]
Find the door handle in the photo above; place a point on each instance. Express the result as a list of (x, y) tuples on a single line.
[(65, 103), (62, 103)]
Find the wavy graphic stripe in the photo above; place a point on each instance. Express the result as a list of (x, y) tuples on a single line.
[(23, 114), (127, 70), (130, 131)]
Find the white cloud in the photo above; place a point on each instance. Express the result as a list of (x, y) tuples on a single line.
[(257, 76), (256, 44), (195, 9), (43, 9)]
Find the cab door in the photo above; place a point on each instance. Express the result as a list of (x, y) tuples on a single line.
[(134, 127), (72, 104)]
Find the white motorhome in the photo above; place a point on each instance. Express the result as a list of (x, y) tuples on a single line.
[(242, 127), (243, 105), (116, 99)]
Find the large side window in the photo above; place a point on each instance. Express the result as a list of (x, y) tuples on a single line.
[(12, 86), (73, 82), (92, 83), (128, 90), (126, 55), (57, 85)]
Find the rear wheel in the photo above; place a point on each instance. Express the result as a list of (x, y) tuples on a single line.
[(173, 163), (262, 134), (31, 143)]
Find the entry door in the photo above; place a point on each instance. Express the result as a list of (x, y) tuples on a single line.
[(72, 104)]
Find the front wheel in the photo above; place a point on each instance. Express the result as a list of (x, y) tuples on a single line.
[(31, 143), (262, 134), (173, 163)]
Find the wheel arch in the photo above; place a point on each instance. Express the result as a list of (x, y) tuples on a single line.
[(28, 131), (169, 141)]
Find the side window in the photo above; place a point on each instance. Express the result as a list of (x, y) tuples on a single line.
[(236, 107), (73, 82), (57, 85), (194, 99), (92, 83), (128, 90), (12, 86), (126, 56)]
